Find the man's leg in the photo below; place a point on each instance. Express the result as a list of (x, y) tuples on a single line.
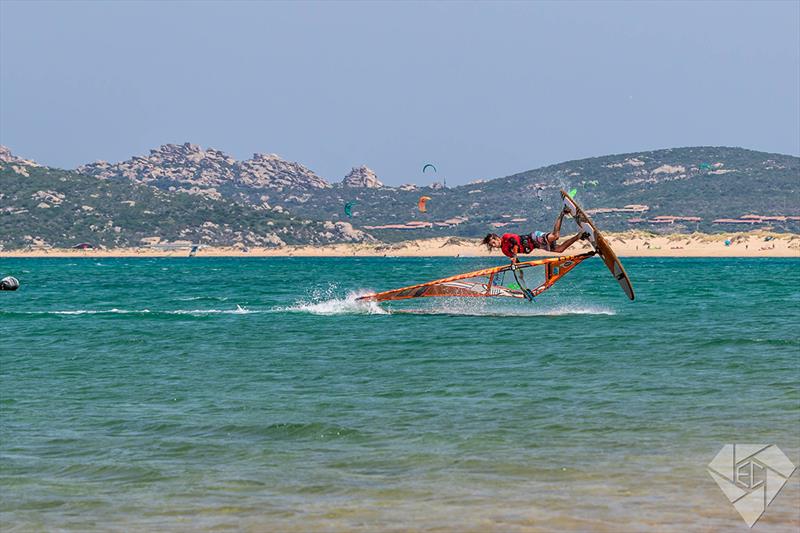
[(556, 233), (566, 244)]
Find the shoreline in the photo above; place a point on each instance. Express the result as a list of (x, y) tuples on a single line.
[(627, 244)]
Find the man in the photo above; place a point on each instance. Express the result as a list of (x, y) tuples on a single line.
[(512, 244)]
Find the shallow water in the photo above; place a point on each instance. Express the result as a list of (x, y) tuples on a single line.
[(256, 394)]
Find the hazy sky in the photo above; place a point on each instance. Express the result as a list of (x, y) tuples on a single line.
[(480, 89)]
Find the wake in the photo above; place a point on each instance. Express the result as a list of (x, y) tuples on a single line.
[(326, 302), (521, 310)]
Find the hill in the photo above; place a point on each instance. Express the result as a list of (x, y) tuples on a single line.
[(41, 206), (204, 195), (678, 190), (709, 189)]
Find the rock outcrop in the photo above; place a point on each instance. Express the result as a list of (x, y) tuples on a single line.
[(187, 166), (7, 157), (362, 177), (270, 171), (17, 164)]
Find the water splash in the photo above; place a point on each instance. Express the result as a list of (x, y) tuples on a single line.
[(339, 306), (325, 301)]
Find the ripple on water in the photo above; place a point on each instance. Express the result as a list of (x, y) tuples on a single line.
[(233, 394)]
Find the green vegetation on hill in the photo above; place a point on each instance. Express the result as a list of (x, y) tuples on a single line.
[(705, 182), (60, 208)]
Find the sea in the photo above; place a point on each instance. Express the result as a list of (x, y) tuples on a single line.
[(256, 394)]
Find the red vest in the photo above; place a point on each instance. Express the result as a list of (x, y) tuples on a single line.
[(508, 242), (524, 243)]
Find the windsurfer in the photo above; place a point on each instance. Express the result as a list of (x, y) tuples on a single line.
[(512, 244)]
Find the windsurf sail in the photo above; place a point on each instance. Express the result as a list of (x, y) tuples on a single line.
[(519, 277), (599, 243), (489, 282)]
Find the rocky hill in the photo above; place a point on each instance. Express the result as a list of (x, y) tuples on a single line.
[(362, 177), (204, 194), (207, 172), (42, 206), (711, 189), (15, 162)]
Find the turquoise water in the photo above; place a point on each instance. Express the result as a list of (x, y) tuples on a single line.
[(255, 394)]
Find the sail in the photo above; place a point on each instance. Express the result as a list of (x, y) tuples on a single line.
[(502, 281)]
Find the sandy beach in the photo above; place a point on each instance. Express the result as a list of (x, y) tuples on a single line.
[(627, 244)]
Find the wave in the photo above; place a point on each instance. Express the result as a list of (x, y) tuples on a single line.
[(740, 341), (91, 312), (289, 430), (203, 297), (238, 311), (519, 311)]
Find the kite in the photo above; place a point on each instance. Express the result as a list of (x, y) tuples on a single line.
[(422, 204)]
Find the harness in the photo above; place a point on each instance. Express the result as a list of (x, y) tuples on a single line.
[(540, 241), (527, 242)]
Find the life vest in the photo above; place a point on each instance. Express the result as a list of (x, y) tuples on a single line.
[(524, 243), (528, 243)]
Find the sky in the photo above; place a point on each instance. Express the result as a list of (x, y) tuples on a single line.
[(481, 90)]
